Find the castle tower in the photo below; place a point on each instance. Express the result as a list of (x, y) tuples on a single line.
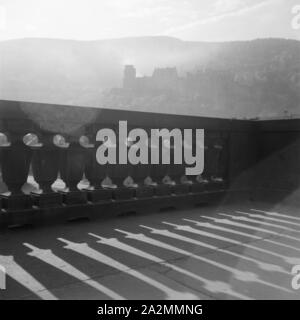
[(129, 77)]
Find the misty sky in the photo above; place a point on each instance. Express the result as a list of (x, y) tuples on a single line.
[(207, 20)]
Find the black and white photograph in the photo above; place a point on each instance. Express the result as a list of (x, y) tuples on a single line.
[(149, 152)]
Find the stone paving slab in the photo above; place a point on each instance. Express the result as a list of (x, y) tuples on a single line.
[(184, 265)]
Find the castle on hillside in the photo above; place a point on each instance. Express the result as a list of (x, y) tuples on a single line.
[(165, 79), (209, 91), (206, 90)]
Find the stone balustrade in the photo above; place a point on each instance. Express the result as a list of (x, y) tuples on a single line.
[(44, 142)]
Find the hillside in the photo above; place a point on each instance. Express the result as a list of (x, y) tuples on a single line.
[(267, 73)]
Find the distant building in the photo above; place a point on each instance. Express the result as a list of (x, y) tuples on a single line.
[(162, 79), (129, 79)]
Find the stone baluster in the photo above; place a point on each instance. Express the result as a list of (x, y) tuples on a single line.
[(214, 156), (176, 172), (45, 166), (123, 175), (164, 186), (156, 171), (15, 163), (220, 161), (96, 174), (201, 180), (224, 160), (117, 173), (142, 174), (130, 169), (71, 168)]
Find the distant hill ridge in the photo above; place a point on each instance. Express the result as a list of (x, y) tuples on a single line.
[(79, 72)]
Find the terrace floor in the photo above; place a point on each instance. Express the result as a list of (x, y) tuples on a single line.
[(227, 252)]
